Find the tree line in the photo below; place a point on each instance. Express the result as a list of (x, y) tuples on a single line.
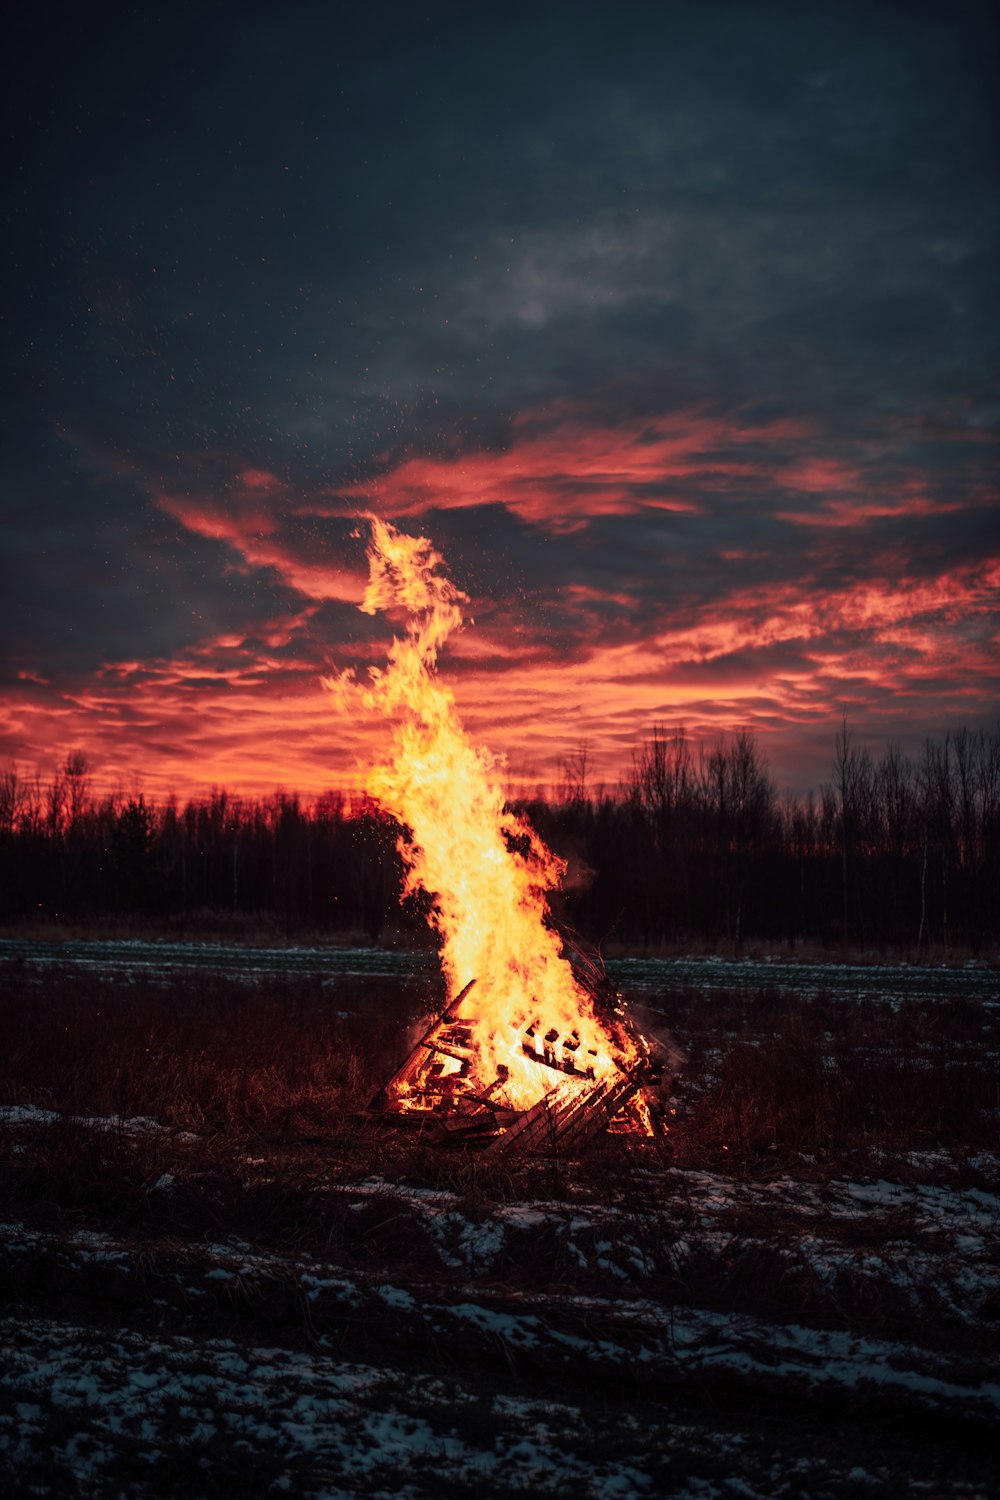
[(693, 847), (892, 853)]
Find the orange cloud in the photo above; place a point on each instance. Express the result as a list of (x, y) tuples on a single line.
[(251, 536), (245, 707), (561, 475)]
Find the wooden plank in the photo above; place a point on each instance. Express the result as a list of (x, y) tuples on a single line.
[(445, 1051), (551, 1134), (587, 1123), (496, 1105), (569, 1123), (382, 1098), (534, 1121), (466, 1124)]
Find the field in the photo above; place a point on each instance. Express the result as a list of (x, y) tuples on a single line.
[(218, 1280)]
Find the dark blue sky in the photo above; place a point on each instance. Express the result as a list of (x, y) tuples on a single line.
[(675, 326)]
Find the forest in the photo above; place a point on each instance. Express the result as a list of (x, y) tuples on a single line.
[(694, 847)]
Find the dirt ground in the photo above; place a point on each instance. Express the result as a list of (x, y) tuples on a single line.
[(218, 1280)]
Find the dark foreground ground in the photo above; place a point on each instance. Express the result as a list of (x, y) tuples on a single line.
[(215, 1281)]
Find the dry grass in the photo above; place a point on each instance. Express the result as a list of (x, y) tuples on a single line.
[(259, 1208), (277, 1073), (201, 1052), (770, 1076)]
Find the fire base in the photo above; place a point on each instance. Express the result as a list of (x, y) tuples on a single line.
[(435, 1090)]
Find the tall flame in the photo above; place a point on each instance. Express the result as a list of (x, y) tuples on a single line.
[(486, 869)]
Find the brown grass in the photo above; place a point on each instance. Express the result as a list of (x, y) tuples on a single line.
[(772, 1080), (256, 1092), (200, 1052)]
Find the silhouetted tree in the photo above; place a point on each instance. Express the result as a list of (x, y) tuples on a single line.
[(689, 849)]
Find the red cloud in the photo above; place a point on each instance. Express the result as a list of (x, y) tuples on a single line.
[(249, 713), (251, 534), (245, 708), (561, 475)]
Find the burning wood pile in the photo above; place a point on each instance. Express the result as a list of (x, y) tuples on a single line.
[(536, 1051), (438, 1087)]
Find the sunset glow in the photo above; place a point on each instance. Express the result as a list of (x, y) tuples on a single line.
[(247, 710), (686, 365)]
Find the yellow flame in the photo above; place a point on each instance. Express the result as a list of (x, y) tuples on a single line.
[(486, 869)]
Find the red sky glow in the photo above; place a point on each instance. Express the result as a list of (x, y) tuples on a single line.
[(600, 652), (686, 364)]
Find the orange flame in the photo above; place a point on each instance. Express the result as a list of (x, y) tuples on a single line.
[(486, 869)]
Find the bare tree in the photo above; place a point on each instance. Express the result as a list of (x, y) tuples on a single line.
[(741, 800), (576, 769), (13, 796), (76, 780), (852, 777)]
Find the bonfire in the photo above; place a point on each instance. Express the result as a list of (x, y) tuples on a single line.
[(535, 1047)]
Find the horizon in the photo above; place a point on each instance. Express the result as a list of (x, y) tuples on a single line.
[(524, 789)]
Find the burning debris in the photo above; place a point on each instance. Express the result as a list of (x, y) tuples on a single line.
[(439, 1087), (536, 1048)]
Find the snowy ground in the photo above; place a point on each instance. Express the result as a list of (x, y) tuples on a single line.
[(234, 1287), (701, 1336)]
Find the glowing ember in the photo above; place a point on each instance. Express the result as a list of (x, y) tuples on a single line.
[(520, 1010)]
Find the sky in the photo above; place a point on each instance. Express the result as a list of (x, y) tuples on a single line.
[(674, 326)]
